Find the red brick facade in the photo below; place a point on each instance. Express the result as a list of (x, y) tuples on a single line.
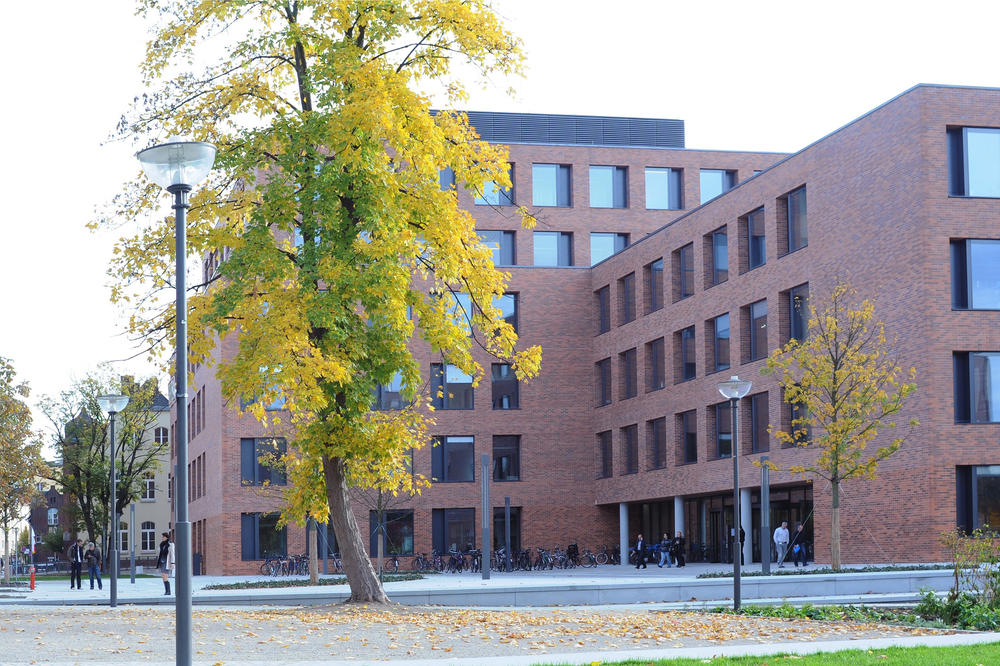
[(879, 214)]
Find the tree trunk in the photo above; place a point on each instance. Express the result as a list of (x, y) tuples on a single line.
[(312, 536), (6, 555), (835, 528), (364, 584)]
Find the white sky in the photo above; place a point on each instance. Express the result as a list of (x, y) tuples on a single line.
[(770, 76)]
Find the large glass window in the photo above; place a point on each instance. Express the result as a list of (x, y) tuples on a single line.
[(715, 182), (604, 455), (502, 245), (974, 162), (500, 529), (603, 375), (795, 209), (148, 487), (507, 304), (451, 388), (148, 536), (758, 330), (687, 427), (977, 387), (494, 196), (390, 396), (506, 458), (608, 187), (975, 274), (723, 430), (603, 245), (453, 529), (720, 342), (720, 256), (759, 437), (260, 536), (756, 241), (798, 312), (550, 185), (506, 394), (260, 461), (685, 354), (627, 371), (656, 441), (684, 272), (553, 248), (626, 299), (630, 449), (663, 189), (453, 460), (603, 298), (654, 286), (655, 365), (396, 530)]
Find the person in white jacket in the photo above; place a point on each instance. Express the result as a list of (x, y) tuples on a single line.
[(781, 543), (165, 561)]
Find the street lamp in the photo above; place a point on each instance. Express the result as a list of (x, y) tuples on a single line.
[(112, 404), (735, 388), (177, 166)]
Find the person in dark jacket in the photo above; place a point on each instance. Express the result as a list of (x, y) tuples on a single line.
[(93, 557), (76, 556), (798, 545), (640, 552), (677, 548), (665, 555), (165, 561)]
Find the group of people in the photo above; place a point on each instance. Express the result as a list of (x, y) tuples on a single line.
[(796, 542), (91, 556), (671, 551)]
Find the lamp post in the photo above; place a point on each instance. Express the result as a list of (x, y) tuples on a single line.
[(112, 404), (177, 165), (735, 388)]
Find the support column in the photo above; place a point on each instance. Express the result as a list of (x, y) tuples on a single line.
[(623, 532), (746, 520), (679, 516)]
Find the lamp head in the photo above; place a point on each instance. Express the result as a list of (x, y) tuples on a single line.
[(112, 404), (734, 387), (177, 162)]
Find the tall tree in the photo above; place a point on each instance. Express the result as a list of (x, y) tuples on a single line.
[(844, 384), (81, 438), (20, 452), (330, 240)]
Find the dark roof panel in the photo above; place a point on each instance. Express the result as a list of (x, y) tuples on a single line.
[(544, 128)]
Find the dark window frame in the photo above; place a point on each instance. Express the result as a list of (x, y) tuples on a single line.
[(442, 452), (252, 471), (602, 372), (626, 299), (252, 546), (656, 365), (654, 285), (442, 396), (510, 449), (603, 299), (498, 377), (503, 245), (629, 370), (605, 455), (563, 185), (630, 449)]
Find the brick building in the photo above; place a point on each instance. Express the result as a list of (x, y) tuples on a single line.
[(656, 271)]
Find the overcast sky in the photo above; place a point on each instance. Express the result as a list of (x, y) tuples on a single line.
[(770, 76)]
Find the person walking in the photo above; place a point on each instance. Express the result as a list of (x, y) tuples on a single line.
[(781, 542), (665, 543), (677, 549), (93, 557), (76, 554), (640, 552), (165, 561), (798, 544), (743, 538)]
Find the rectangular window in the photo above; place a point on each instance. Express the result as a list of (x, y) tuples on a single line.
[(604, 245), (494, 196), (453, 529), (720, 342), (756, 246), (259, 461), (453, 460), (502, 245), (795, 215), (396, 531), (683, 272), (506, 458), (715, 182), (977, 387), (500, 530), (603, 298), (723, 430), (973, 162), (507, 304), (603, 376), (553, 248), (260, 536), (655, 365), (798, 312), (630, 449), (684, 366), (446, 178), (758, 330), (663, 189), (656, 442), (759, 437), (604, 455), (550, 185), (451, 388), (719, 247), (390, 396), (794, 422), (975, 274), (506, 393), (654, 286), (148, 536), (627, 371), (687, 445), (608, 187), (626, 299)]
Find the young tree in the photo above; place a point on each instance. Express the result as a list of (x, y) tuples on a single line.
[(330, 240), (20, 453), (844, 384), (80, 436)]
